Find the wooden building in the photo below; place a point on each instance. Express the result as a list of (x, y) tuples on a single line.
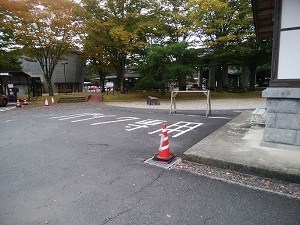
[(280, 20)]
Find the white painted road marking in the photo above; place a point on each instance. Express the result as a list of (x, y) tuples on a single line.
[(94, 117), (2, 109), (180, 127), (119, 119), (72, 116), (143, 124), (91, 117)]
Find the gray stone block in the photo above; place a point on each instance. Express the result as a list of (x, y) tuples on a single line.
[(281, 93), (270, 120), (282, 136), (283, 106), (298, 139), (288, 121), (289, 93), (270, 93)]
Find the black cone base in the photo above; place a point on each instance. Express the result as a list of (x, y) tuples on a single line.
[(164, 160)]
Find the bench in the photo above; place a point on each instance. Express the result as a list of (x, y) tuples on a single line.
[(258, 116), (152, 101), (65, 90)]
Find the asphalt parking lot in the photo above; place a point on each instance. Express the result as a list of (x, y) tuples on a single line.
[(84, 164)]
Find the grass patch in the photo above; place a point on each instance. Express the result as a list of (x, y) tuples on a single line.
[(128, 97), (142, 96)]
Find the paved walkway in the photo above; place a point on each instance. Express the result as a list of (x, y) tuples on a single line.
[(95, 98), (216, 104), (237, 145)]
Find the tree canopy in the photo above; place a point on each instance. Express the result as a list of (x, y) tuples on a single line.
[(119, 34), (9, 54), (44, 30), (172, 62), (114, 33)]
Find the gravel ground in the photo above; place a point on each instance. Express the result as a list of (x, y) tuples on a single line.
[(216, 104), (283, 188)]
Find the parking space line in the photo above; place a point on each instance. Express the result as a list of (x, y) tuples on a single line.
[(144, 124), (119, 119), (187, 125), (94, 117), (179, 127), (72, 116)]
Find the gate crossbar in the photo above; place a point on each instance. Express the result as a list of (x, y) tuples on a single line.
[(208, 100)]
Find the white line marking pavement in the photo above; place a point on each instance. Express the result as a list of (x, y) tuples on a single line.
[(7, 108), (143, 124), (209, 117), (94, 117), (119, 119), (131, 127), (71, 116), (219, 117), (178, 126)]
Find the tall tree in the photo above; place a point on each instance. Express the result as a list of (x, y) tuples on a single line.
[(172, 23), (46, 30), (98, 55), (223, 25), (254, 53), (116, 30), (9, 54), (165, 63)]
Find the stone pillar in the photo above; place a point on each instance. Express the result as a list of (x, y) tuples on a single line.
[(245, 78), (282, 118)]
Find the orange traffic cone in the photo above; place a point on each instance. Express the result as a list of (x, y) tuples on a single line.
[(52, 100), (25, 102), (18, 103), (164, 154), (46, 102)]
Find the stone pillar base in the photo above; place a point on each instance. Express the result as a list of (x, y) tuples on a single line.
[(282, 116)]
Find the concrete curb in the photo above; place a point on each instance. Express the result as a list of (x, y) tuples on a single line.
[(277, 175), (237, 146)]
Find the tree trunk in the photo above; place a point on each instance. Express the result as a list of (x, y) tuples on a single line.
[(225, 76), (121, 72), (245, 78), (49, 84), (219, 79), (102, 80), (212, 77), (162, 89), (200, 78), (252, 70), (182, 83)]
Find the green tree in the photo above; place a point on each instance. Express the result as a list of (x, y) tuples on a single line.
[(116, 31), (223, 25), (254, 53), (165, 63), (98, 55), (9, 54)]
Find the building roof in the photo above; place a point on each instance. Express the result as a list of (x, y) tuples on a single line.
[(15, 77), (263, 14)]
